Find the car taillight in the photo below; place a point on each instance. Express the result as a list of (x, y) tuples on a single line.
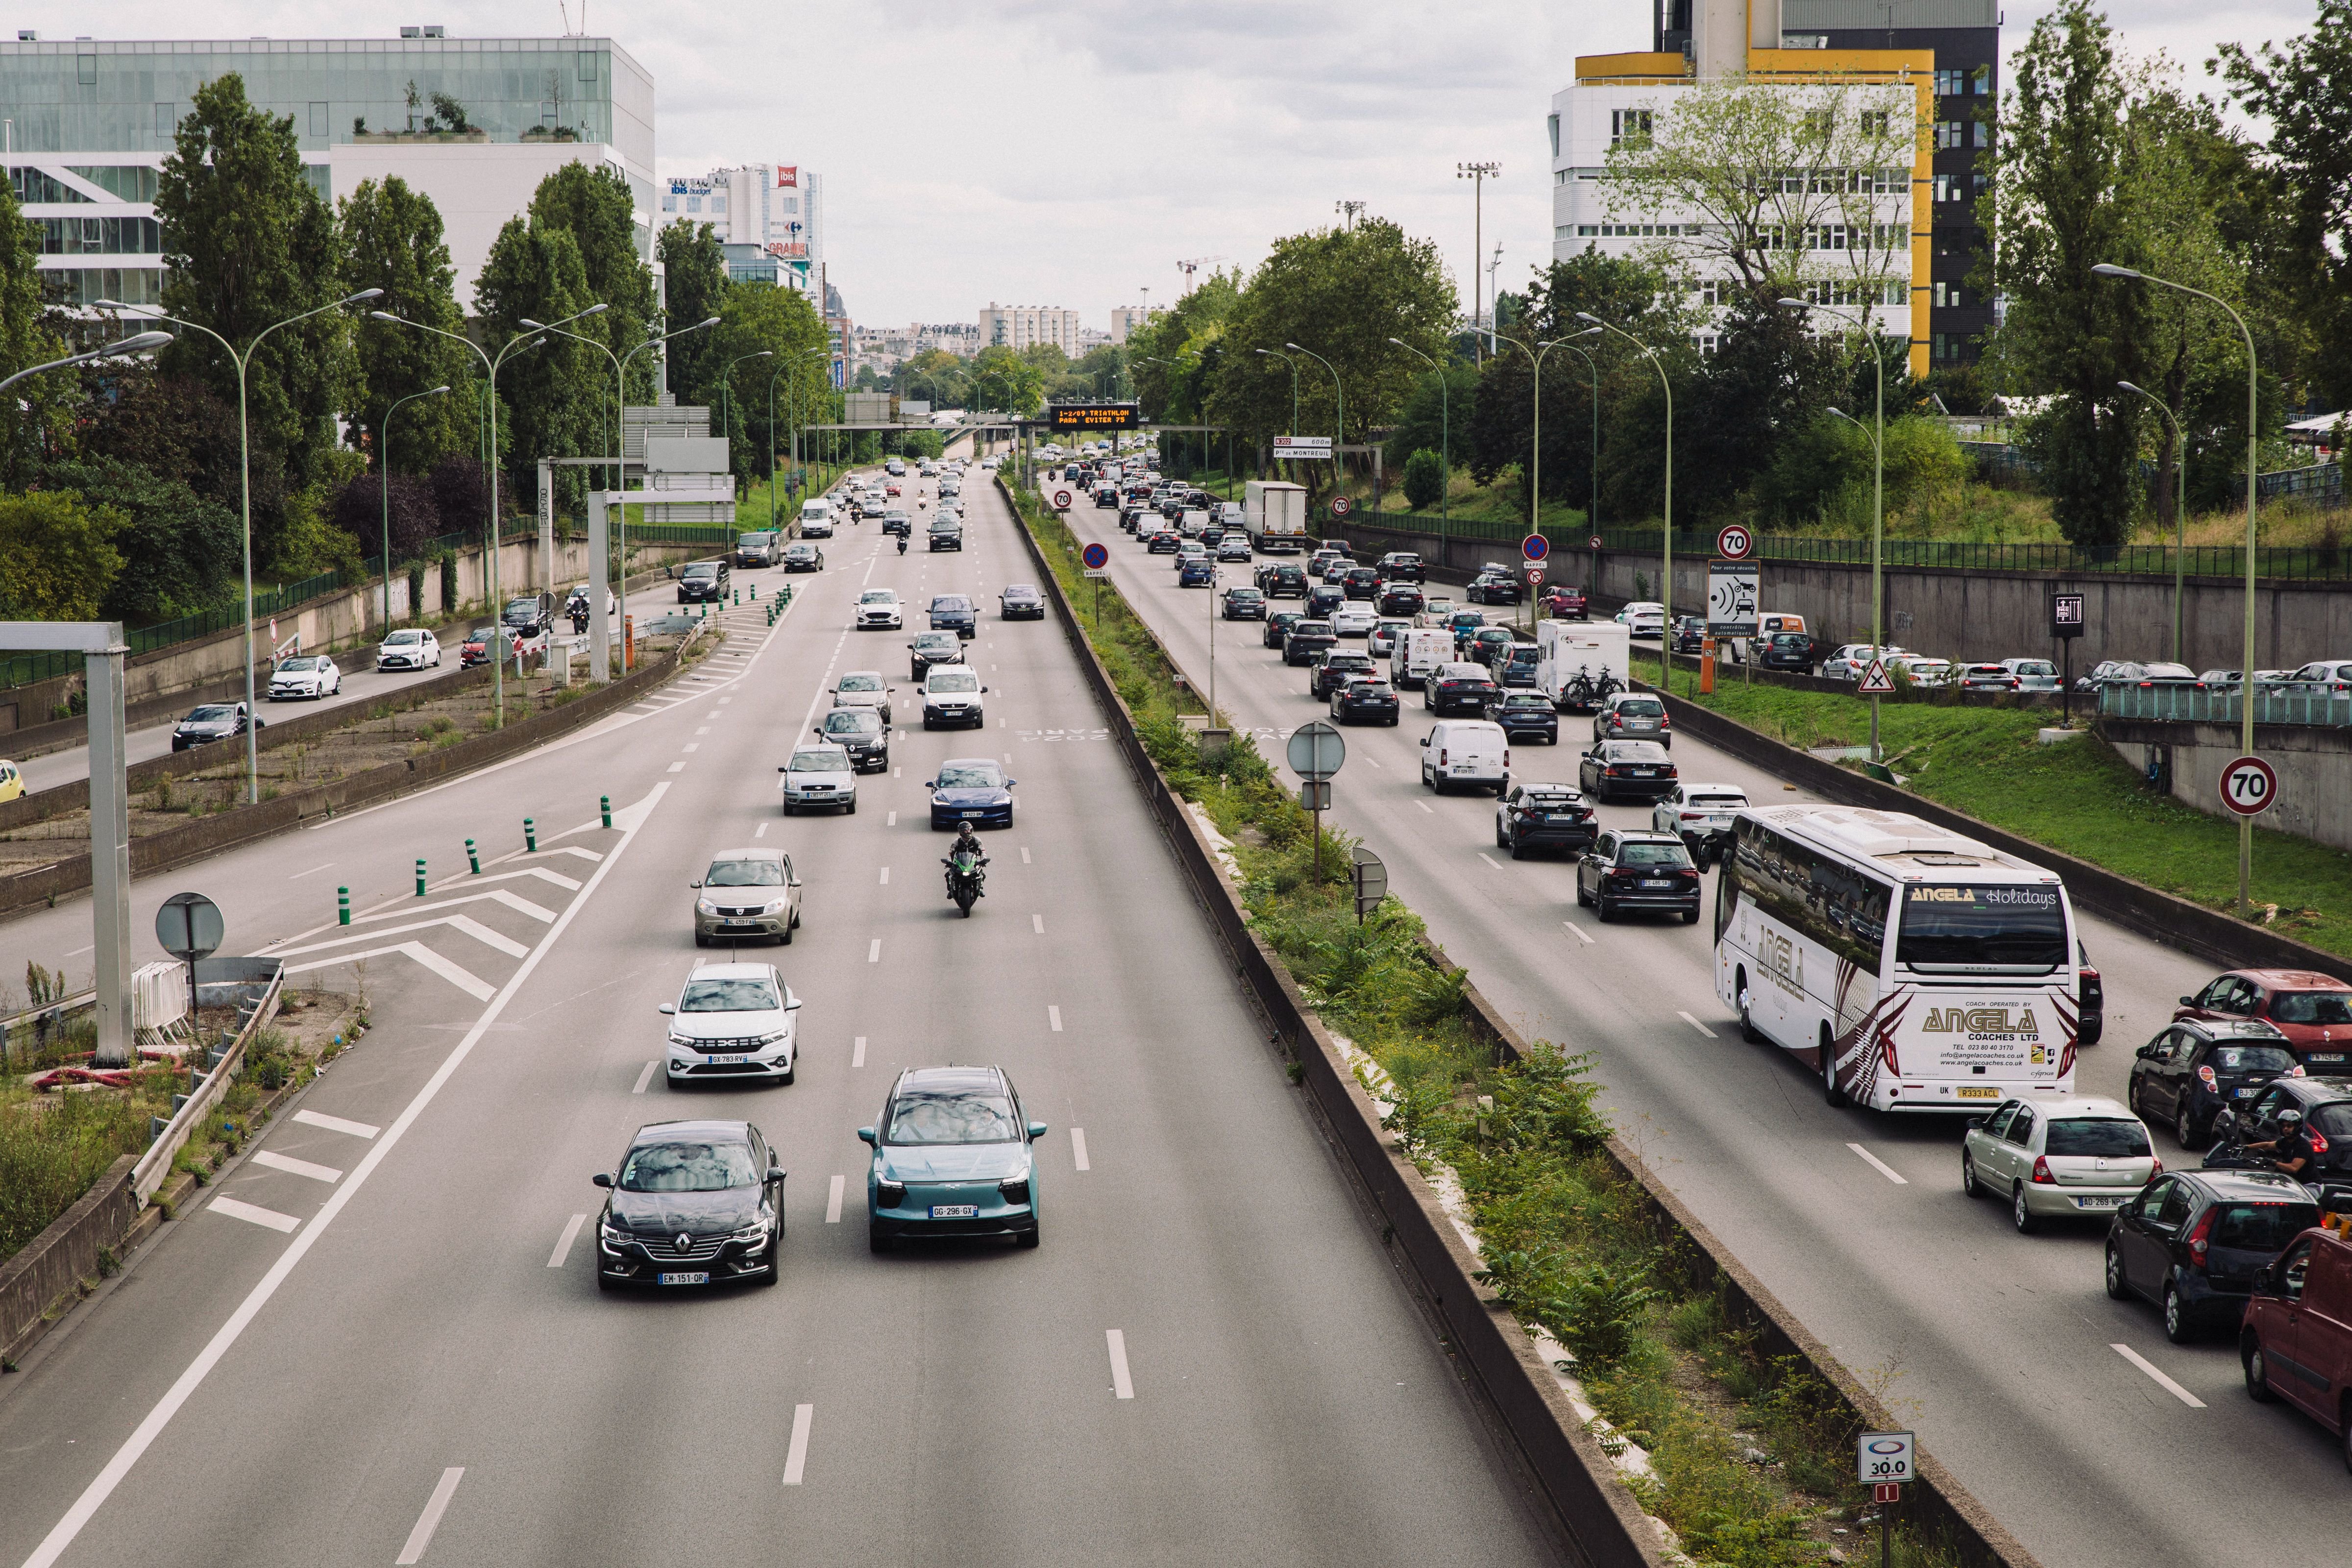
[(1441, 756), (1507, 759), (2205, 1076), (2042, 1175), (1693, 816), (2199, 1237), (2315, 1138)]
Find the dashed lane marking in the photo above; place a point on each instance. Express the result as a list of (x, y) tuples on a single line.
[(1880, 1166), (337, 1124), (253, 1214), (292, 1166), (645, 1077), (1695, 1024), (564, 1243), (832, 1200)]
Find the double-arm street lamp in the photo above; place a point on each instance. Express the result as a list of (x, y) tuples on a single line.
[(2180, 509), (1338, 423), (1666, 595), (726, 387), (2253, 457), (1535, 400), (1445, 442), (383, 484), (245, 468), (1877, 434)]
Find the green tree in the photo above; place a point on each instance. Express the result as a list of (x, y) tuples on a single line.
[(1433, 417), (1009, 382), (594, 207), (1425, 480), (394, 242), (179, 549), (551, 399), (1767, 376), (248, 243), (755, 317), (56, 556), (695, 287), (35, 411)]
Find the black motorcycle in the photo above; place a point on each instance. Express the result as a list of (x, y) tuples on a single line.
[(964, 877)]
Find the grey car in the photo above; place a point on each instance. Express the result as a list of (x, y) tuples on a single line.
[(864, 688), (1631, 716), (2075, 1156), (747, 893)]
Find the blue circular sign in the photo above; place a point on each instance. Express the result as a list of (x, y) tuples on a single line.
[(1095, 557), (1534, 547)]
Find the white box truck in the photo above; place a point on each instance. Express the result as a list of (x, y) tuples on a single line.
[(1275, 516), (1567, 649), (1420, 650)]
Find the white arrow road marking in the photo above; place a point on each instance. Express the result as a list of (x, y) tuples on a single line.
[(466, 880), (465, 980), (413, 1550), (465, 924), (516, 902), (337, 1124), (253, 1214), (292, 1166)]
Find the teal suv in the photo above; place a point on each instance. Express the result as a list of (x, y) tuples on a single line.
[(951, 1158)]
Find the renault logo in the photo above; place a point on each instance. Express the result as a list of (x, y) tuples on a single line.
[(684, 1241)]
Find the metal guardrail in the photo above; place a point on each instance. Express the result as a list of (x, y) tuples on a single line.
[(2194, 705), (251, 983)]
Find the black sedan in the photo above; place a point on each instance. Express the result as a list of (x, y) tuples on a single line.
[(1401, 599), (897, 522), (2192, 1241), (1277, 625), (2199, 1067), (1245, 605), (1493, 588), (861, 733), (1620, 770), (974, 790), (1403, 566), (1336, 668), (1366, 699), (1532, 817), (693, 1203), (954, 613), (1525, 716), (801, 556), (212, 721), (932, 647), (1020, 602), (1305, 639), (1638, 871)]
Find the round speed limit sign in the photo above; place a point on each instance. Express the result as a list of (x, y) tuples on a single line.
[(2249, 786), (1341, 506), (1061, 501)]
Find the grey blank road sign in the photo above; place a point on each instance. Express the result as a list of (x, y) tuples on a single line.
[(1316, 751), (189, 927), (1372, 878)]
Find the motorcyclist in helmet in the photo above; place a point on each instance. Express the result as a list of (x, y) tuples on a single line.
[(902, 544)]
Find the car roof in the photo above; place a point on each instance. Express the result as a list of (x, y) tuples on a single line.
[(2292, 979), (819, 746), (952, 1077), (2096, 1106), (1550, 786), (697, 1127), (1646, 751), (2315, 1090), (1645, 836), (749, 852), (2261, 1029), (732, 971), (970, 763), (2247, 1184), (1713, 789)]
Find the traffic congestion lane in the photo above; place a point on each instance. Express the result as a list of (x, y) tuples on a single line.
[(2024, 1400), (1269, 1333)]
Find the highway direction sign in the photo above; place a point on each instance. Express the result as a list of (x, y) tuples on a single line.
[(1316, 751), (189, 927), (1883, 1457), (2249, 785), (1095, 557), (1314, 449), (1735, 542), (1534, 547), (1874, 681)]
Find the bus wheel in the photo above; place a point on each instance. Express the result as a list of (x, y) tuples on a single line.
[(1830, 1090), (1747, 1031)]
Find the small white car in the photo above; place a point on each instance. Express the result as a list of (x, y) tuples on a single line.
[(1642, 619), (1353, 620), (1472, 752), (2070, 1155), (1436, 610), (1381, 641), (878, 611), (1924, 669), (731, 1022), (820, 775), (1849, 661), (1700, 816), (306, 675), (951, 694), (411, 647)]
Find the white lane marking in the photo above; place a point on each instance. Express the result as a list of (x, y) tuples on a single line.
[(706, 729), (892, 821), (564, 1243), (1880, 1166), (93, 1497), (693, 746), (885, 877), (2163, 1382), (1121, 1385), (430, 1520), (832, 1200), (1695, 1024), (1054, 1016), (1578, 932), (1078, 1147), (468, 879), (873, 951), (253, 1214), (1037, 924), (678, 767), (897, 773), (1024, 854), (77, 952), (299, 875), (1000, 724), (1375, 761), (336, 1124), (645, 1077), (1425, 806), (796, 1453), (857, 1053), (292, 1166), (1483, 855), (464, 979), (761, 831), (470, 926)]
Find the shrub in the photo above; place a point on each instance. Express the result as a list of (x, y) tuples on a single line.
[(1424, 479)]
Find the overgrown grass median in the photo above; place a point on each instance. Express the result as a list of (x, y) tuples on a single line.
[(1747, 1457), (2077, 797)]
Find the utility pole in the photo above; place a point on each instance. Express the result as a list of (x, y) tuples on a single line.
[(1349, 212), (1477, 174), (1493, 299)]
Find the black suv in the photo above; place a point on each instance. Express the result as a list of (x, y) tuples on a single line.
[(1690, 635), (1306, 638), (1457, 692), (1284, 581), (1374, 700), (1533, 817), (1335, 669), (1525, 716), (2316, 1110), (705, 580), (1639, 872), (2193, 1241), (1359, 582), (1493, 588), (1277, 624), (1403, 566), (946, 534), (1401, 599), (2194, 1070), (530, 616)]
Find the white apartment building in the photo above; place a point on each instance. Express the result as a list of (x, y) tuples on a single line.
[(1016, 327), (1125, 319), (770, 216)]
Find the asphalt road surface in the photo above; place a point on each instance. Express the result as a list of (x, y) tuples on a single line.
[(2004, 1348), (410, 1360)]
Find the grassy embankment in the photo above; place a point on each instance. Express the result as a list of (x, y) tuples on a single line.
[(2078, 796), (1751, 1458)]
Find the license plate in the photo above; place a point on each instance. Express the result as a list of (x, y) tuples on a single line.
[(701, 1279), (2106, 1203), (1970, 1091), (2243, 1093), (716, 1060), (1655, 882), (1644, 772), (955, 1211), (737, 925), (973, 814), (2325, 1057)]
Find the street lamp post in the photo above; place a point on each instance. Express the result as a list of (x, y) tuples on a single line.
[(1666, 595), (1877, 434), (1477, 174), (2180, 509), (726, 385), (245, 470), (1444, 441), (384, 478), (1534, 444), (2253, 455), (1338, 424)]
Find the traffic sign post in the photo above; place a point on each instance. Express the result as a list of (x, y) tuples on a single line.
[(1534, 547), (2249, 785), (1371, 880), (1316, 751), (1874, 681), (1884, 1461), (2065, 626), (1295, 449), (1341, 506), (189, 927), (1061, 501)]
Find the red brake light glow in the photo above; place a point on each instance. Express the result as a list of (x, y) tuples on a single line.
[(2042, 1175), (2205, 1077), (2315, 1138)]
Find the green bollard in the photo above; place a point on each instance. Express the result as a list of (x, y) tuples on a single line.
[(420, 876), (604, 809), (755, 592), (342, 906), (472, 858), (530, 836)]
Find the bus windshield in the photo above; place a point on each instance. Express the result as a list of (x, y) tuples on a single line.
[(2004, 927)]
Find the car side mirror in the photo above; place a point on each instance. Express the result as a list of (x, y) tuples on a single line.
[(1037, 1130), (785, 770), (795, 882), (602, 1178), (866, 1135), (930, 784), (793, 1004), (667, 1007), (2188, 1001)]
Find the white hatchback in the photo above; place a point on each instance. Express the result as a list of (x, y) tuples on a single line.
[(310, 676), (820, 775), (1353, 621), (878, 610), (411, 647), (2053, 1156), (732, 1022)]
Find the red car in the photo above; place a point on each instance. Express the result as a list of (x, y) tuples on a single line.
[(1562, 602), (2312, 1011), (2296, 1340), (890, 489)]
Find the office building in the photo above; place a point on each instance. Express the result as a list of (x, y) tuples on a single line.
[(1125, 319), (771, 217), (90, 123), (1016, 327)]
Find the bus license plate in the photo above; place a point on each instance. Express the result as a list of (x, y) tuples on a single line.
[(1973, 1091)]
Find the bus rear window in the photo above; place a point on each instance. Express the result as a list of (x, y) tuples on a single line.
[(2004, 926)]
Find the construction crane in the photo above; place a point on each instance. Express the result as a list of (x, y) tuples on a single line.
[(1188, 266)]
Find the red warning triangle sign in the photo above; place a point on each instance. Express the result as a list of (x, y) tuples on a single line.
[(1874, 682)]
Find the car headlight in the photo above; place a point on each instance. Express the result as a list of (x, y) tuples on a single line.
[(686, 1042), (779, 1037), (705, 907), (754, 1235), (612, 1236), (776, 905)]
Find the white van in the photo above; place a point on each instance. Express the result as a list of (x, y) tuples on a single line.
[(816, 520), (1419, 652), (1473, 752)]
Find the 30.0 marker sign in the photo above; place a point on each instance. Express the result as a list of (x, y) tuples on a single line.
[(2249, 786)]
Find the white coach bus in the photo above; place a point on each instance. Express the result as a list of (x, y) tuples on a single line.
[(1914, 969)]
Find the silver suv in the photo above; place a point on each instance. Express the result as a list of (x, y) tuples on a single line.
[(747, 893)]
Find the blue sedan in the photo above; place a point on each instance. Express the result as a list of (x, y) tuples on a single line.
[(951, 1157), (974, 790)]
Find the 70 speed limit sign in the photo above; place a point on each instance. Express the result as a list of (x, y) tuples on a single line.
[(2249, 786)]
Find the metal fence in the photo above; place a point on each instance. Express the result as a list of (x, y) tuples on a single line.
[(2193, 705)]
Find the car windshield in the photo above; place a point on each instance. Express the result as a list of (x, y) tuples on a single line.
[(954, 680), (752, 539), (1020, 591), (2313, 1007), (739, 996), (879, 596), (2034, 667), (212, 713), (702, 570), (689, 1168), (2261, 1228), (1652, 855), (745, 874), (481, 633), (861, 683), (1963, 927), (1535, 699), (937, 642), (405, 637), (852, 722), (2251, 1058), (820, 762), (298, 664), (2108, 1137), (972, 775), (955, 1117), (949, 602)]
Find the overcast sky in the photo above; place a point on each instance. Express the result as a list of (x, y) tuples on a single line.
[(1071, 151)]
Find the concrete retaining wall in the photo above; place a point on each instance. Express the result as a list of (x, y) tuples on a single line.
[(53, 1264), (2314, 769)]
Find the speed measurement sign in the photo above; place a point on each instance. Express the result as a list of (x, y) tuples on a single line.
[(1883, 1457), (2249, 786)]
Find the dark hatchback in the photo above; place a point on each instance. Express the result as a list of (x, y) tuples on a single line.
[(1197, 572), (1638, 871), (1626, 770), (1535, 816), (1288, 581), (1485, 643), (212, 721), (1020, 602), (1306, 639), (2192, 1071), (1163, 540), (1493, 588), (1402, 599), (803, 557), (1460, 693), (1403, 566), (1525, 716), (2192, 1241), (861, 733), (1279, 624), (951, 1158), (706, 580), (1359, 582), (694, 1202), (1690, 634), (1245, 605), (1786, 651), (1335, 669), (1365, 702), (954, 613), (1323, 601), (1514, 664)]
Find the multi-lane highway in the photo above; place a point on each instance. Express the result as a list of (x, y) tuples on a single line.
[(410, 1362), (2004, 1347)]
